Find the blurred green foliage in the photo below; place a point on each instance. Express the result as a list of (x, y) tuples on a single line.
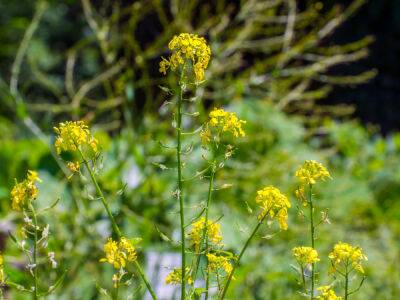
[(362, 200), (98, 61)]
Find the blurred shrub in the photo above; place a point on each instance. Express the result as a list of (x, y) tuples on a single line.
[(98, 60)]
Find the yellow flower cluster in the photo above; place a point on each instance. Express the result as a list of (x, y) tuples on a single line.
[(213, 233), (311, 171), (175, 277), (347, 255), (72, 135), (118, 253), (327, 293), (217, 262), (187, 47), (222, 121), (2, 276), (273, 203), (305, 255), (73, 166), (25, 191)]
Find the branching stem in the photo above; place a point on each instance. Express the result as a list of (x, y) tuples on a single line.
[(35, 241), (114, 224), (241, 254)]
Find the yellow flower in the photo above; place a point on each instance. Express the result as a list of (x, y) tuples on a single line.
[(119, 253), (305, 255), (347, 256), (311, 171), (205, 135), (175, 276), (2, 275), (73, 166), (187, 47), (327, 293), (213, 233), (273, 203), (24, 192), (219, 262), (228, 121), (300, 195), (33, 176), (71, 135), (164, 64), (220, 122)]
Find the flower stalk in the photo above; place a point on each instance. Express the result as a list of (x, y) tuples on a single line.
[(253, 233), (115, 225), (346, 285), (35, 241), (205, 235), (312, 235), (180, 185), (101, 196)]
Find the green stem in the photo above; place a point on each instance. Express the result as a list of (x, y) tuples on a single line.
[(303, 279), (35, 239), (241, 254), (102, 198), (114, 224), (205, 234), (146, 281), (346, 282), (116, 291), (312, 232), (179, 194)]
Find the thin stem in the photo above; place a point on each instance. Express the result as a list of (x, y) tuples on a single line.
[(35, 239), (303, 279), (241, 254), (102, 198), (207, 281), (204, 236), (116, 291), (146, 281), (346, 282), (312, 232), (179, 194), (115, 226)]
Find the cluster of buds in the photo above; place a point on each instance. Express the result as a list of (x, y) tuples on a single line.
[(23, 193)]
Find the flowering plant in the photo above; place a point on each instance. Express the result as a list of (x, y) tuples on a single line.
[(207, 267)]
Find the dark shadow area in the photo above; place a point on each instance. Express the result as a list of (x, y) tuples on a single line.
[(377, 101)]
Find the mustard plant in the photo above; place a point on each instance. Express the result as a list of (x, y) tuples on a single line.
[(273, 206), (344, 258), (76, 138), (308, 175), (32, 239), (189, 58)]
